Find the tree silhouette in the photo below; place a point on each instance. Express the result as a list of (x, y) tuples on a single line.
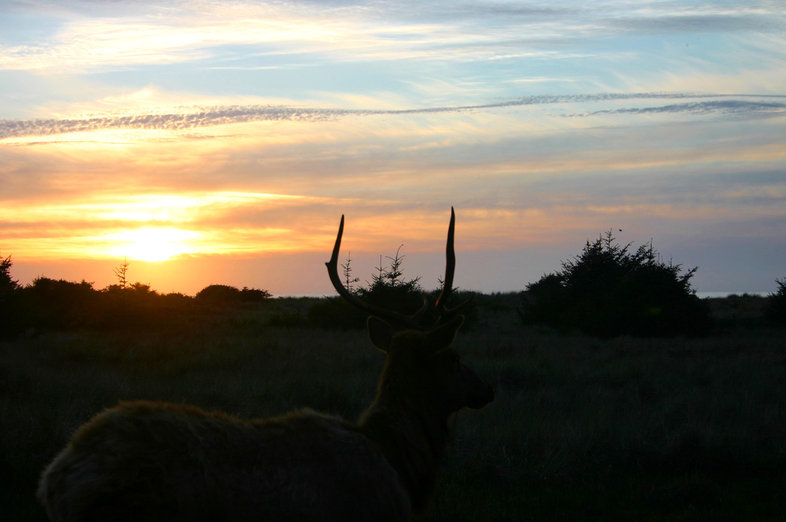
[(9, 320), (776, 304), (122, 272), (389, 288), (346, 269), (607, 290), (7, 285)]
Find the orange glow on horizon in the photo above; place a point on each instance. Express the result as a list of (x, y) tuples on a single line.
[(152, 244), (154, 227)]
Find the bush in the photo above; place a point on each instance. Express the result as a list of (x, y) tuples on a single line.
[(254, 295), (225, 294), (137, 306), (608, 291), (9, 309), (403, 298), (57, 304), (218, 294), (389, 289), (49, 304), (775, 312), (336, 313)]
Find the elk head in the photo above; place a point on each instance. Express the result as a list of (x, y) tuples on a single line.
[(421, 368)]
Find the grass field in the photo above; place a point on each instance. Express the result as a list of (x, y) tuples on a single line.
[(581, 429)]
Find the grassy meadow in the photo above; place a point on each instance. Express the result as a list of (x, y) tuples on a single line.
[(581, 429)]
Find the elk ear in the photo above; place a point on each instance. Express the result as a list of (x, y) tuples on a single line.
[(442, 336), (381, 333)]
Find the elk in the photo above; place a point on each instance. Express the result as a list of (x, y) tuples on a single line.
[(156, 461)]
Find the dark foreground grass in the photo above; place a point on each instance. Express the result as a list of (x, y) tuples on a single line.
[(676, 429)]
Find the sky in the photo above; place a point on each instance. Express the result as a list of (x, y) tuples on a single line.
[(211, 142)]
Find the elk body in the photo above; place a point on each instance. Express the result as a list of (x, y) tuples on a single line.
[(151, 461)]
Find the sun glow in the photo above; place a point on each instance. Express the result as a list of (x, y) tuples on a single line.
[(152, 227), (152, 244)]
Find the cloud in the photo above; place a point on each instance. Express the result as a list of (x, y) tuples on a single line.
[(222, 115), (172, 121), (702, 22), (218, 33), (705, 107)]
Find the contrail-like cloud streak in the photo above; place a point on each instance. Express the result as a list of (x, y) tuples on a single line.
[(221, 115), (704, 107)]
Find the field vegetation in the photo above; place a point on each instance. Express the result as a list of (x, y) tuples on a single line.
[(582, 428), (592, 420)]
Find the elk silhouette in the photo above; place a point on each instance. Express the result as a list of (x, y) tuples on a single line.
[(153, 461)]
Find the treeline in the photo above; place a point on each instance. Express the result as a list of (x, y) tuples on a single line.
[(56, 304), (606, 291)]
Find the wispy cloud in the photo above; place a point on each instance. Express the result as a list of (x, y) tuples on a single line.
[(731, 106), (222, 115), (218, 33), (708, 20)]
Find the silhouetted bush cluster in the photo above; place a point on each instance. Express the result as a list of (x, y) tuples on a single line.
[(388, 289), (404, 297), (139, 306), (775, 311), (225, 294), (609, 291), (56, 304), (50, 304)]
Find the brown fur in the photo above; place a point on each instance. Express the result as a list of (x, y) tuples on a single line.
[(158, 461)]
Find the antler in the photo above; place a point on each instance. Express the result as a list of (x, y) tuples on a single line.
[(412, 321), (450, 266), (440, 305)]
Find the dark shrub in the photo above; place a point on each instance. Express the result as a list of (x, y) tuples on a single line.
[(388, 289), (406, 298), (56, 304), (10, 322), (608, 291), (775, 312), (544, 300), (138, 306), (225, 294), (219, 294), (7, 285), (253, 295)]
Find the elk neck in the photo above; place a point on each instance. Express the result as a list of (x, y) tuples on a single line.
[(412, 437)]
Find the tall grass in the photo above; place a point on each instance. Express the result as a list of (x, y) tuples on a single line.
[(581, 429)]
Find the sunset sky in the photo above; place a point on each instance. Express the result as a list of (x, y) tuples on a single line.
[(220, 142)]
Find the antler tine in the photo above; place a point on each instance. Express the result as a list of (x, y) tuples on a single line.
[(450, 268), (450, 265), (332, 267)]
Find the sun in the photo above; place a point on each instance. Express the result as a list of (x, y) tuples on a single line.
[(152, 244)]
